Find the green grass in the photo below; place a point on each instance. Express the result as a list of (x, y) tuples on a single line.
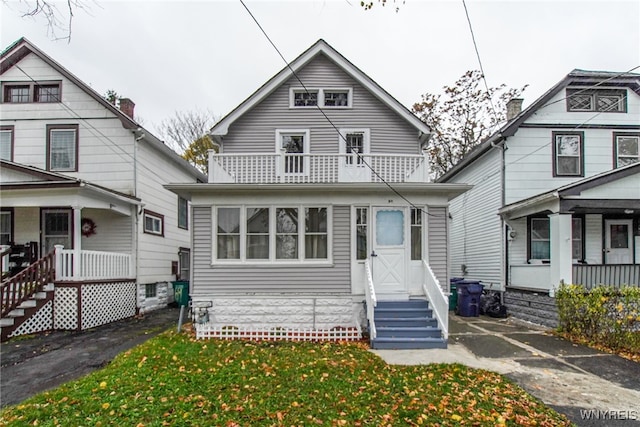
[(175, 380)]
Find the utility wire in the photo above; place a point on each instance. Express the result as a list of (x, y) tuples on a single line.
[(348, 144), (484, 78)]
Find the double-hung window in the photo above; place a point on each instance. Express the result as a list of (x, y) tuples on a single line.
[(626, 148), (62, 148), (183, 213), (416, 234), (153, 223), (293, 144), (6, 143), (6, 226), (568, 154), (271, 233), (362, 225), (17, 93)]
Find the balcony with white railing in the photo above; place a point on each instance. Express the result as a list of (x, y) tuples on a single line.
[(83, 265), (317, 168)]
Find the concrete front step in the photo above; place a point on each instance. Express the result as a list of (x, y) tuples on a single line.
[(413, 322), (414, 303), (408, 332), (408, 343)]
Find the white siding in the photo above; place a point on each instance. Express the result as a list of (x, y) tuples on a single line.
[(593, 242), (26, 225), (476, 228), (113, 232), (518, 246), (254, 132), (155, 253), (437, 237), (105, 152)]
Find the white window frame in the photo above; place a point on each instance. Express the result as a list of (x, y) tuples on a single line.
[(301, 260), (74, 148), (184, 226), (306, 149), (320, 92), (155, 217), (342, 142)]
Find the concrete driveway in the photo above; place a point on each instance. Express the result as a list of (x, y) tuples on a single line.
[(568, 377)]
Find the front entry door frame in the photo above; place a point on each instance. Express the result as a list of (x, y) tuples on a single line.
[(617, 248), (390, 250)]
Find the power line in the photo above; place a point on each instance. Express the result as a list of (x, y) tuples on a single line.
[(347, 143), (484, 79)]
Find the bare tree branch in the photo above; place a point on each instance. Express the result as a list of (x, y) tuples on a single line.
[(185, 127), (57, 20)]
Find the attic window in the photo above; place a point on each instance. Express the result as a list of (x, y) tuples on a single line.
[(303, 98), (601, 100), (48, 93), (16, 94), (336, 98), (28, 92)]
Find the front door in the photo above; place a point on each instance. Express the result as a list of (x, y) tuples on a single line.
[(389, 256), (56, 229), (618, 241)]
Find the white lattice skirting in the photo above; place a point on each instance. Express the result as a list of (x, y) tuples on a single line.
[(103, 303), (42, 320), (65, 308), (204, 331)]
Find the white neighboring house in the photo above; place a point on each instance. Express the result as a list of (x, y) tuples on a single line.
[(556, 194), (79, 173), (320, 199)]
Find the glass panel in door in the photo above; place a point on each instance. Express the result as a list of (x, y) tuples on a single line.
[(56, 229)]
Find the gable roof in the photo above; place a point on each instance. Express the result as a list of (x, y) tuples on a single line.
[(319, 47), (22, 47), (575, 78)]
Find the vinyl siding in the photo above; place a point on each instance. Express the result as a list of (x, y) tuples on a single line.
[(254, 132), (113, 232), (105, 152), (518, 246), (593, 225), (437, 243), (220, 280), (155, 253), (476, 228)]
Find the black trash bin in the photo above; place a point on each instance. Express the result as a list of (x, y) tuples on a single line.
[(469, 292)]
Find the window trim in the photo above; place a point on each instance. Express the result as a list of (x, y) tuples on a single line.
[(306, 149), (32, 86), (184, 226), (181, 251), (554, 149), (147, 213), (76, 129), (10, 128), (354, 234), (321, 101), (12, 215), (594, 99), (546, 216), (616, 135), (301, 260), (366, 141)]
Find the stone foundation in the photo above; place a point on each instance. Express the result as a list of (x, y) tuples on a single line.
[(284, 312), (164, 296), (534, 307)]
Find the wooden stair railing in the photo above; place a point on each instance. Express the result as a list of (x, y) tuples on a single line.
[(17, 289)]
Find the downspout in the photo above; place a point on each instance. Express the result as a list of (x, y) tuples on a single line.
[(500, 142), (137, 210)]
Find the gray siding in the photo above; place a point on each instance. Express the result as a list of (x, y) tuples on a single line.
[(476, 228), (254, 132), (209, 280), (437, 235)]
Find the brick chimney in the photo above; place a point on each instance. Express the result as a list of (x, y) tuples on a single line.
[(127, 106), (514, 106)]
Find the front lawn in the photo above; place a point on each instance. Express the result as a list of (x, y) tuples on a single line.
[(174, 380)]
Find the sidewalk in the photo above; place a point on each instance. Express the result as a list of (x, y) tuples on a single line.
[(31, 365), (565, 376)]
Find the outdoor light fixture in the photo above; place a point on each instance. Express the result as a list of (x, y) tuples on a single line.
[(628, 211)]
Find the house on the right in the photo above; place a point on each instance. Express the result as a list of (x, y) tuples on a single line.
[(556, 195)]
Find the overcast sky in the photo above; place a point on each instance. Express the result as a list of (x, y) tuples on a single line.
[(181, 55)]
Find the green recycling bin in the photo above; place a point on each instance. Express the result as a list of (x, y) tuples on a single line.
[(181, 292)]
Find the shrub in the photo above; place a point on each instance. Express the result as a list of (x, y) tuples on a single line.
[(602, 315)]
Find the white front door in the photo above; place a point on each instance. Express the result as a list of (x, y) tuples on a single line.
[(389, 256), (618, 241)]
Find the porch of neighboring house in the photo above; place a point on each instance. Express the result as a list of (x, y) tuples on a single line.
[(59, 279)]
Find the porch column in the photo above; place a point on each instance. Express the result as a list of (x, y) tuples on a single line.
[(561, 250), (77, 240)]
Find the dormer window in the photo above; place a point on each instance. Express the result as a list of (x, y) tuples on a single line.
[(600, 100), (323, 97)]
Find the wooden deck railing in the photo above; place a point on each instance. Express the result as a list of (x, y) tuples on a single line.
[(275, 168), (615, 275), (17, 289), (72, 265)]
